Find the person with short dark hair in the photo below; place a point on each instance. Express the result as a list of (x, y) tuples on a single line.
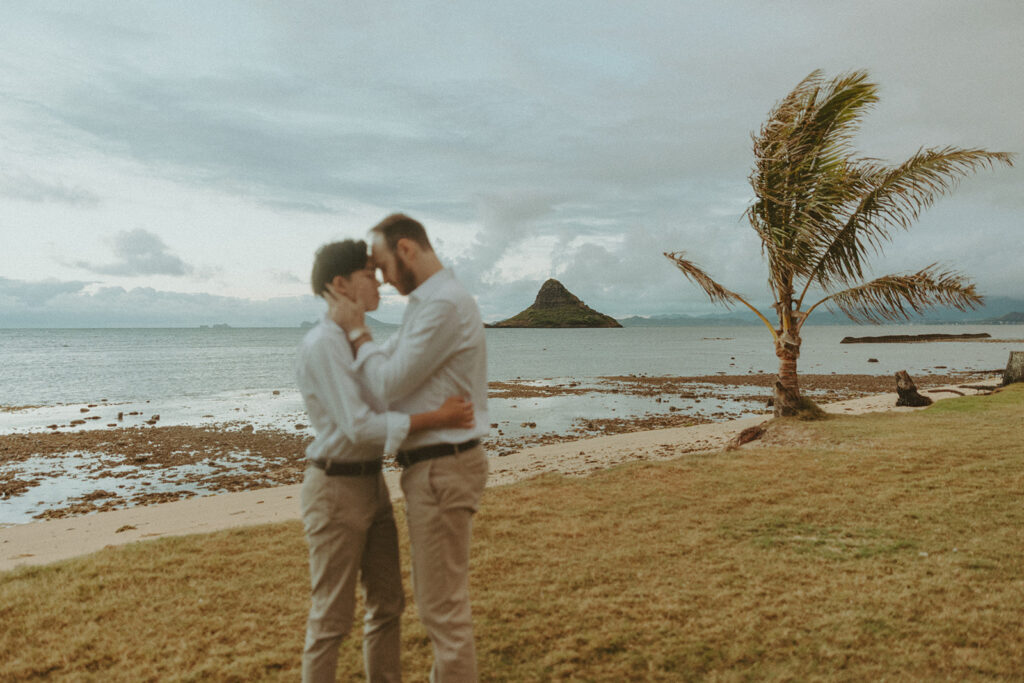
[(346, 507), (440, 349)]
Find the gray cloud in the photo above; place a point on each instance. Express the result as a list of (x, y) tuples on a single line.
[(28, 188), (21, 294), (575, 122), (68, 304), (139, 252)]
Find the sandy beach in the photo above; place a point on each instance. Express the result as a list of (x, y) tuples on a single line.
[(59, 538)]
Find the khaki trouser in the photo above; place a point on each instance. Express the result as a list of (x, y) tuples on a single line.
[(351, 533), (441, 496)]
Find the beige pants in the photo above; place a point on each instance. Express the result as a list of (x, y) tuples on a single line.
[(441, 496), (351, 533)]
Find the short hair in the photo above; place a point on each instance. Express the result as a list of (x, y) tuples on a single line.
[(398, 226), (337, 258)]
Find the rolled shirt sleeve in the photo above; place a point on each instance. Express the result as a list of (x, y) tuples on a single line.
[(398, 368)]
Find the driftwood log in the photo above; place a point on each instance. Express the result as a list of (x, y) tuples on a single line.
[(907, 391), (746, 436), (1014, 368)]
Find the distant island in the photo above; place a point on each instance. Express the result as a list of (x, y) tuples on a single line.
[(556, 306), (909, 338)]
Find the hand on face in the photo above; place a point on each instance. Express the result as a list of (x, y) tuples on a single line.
[(343, 307)]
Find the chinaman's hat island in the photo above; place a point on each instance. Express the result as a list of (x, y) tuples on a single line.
[(556, 306)]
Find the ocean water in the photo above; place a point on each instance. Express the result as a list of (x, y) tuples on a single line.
[(47, 367), (228, 376)]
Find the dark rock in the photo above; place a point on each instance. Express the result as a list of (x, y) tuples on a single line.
[(872, 360), (907, 391)]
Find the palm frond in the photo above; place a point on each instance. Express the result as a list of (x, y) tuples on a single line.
[(802, 179), (716, 292), (894, 200), (900, 296)]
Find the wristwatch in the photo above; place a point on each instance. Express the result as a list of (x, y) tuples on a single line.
[(358, 332)]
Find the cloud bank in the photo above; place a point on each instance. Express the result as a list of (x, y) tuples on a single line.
[(79, 304)]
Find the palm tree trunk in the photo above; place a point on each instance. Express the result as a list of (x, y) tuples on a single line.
[(787, 387)]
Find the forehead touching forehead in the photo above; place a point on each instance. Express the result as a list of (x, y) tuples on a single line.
[(379, 249)]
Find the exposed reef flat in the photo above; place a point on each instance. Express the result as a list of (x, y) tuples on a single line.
[(912, 338), (106, 469)]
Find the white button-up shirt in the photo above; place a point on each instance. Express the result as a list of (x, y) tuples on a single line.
[(439, 351), (350, 422)]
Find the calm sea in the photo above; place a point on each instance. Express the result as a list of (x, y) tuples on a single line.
[(81, 365)]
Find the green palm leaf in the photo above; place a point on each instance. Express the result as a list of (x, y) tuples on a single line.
[(894, 200), (899, 297), (802, 179)]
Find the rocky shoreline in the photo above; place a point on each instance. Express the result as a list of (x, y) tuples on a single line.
[(142, 465)]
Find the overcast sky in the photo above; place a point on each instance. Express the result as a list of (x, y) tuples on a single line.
[(179, 162)]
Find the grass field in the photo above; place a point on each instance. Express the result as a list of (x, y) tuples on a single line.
[(868, 547)]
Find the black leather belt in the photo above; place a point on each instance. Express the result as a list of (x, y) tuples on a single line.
[(349, 469), (410, 458)]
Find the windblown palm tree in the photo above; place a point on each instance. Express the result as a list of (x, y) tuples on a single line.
[(819, 210)]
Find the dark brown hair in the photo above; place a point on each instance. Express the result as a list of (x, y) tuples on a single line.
[(337, 258), (398, 226)]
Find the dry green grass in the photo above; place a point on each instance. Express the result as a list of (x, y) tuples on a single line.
[(883, 546)]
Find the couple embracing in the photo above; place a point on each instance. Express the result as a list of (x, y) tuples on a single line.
[(420, 397)]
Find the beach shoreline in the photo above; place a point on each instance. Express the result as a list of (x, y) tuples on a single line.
[(50, 540), (84, 465)]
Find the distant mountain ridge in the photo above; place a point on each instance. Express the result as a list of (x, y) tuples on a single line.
[(556, 306), (372, 323), (1014, 318), (996, 311)]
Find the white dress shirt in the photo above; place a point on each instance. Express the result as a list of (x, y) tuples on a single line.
[(439, 351), (350, 422)]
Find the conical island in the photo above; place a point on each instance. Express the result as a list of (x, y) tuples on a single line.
[(556, 306)]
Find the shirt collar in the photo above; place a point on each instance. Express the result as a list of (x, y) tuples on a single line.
[(330, 324), (431, 285)]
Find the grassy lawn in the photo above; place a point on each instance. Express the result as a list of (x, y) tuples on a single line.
[(862, 547)]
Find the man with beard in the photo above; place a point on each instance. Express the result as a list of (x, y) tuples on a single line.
[(438, 351), (346, 508)]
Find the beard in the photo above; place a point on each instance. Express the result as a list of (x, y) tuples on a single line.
[(405, 280)]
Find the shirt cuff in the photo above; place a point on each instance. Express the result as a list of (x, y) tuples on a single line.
[(398, 429)]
